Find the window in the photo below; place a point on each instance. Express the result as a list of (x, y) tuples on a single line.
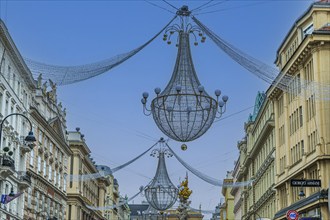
[(46, 142), (309, 72), (45, 168), (9, 72), (283, 197), (29, 197), (43, 202), (3, 62), (25, 98), (301, 116), (64, 182), (308, 30), (55, 177), (280, 105), (48, 205), (31, 157), (313, 174), (6, 107), (1, 101), (60, 156), (39, 164), (281, 135), (50, 173), (65, 161), (14, 82), (50, 147), (40, 136), (37, 201)]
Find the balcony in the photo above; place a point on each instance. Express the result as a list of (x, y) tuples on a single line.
[(40, 149), (24, 180), (7, 166), (25, 149)]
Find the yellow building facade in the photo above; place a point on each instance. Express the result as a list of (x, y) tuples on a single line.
[(302, 121), (84, 193), (257, 162), (112, 198), (227, 208), (236, 192)]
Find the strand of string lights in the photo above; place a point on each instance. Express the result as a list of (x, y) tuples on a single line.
[(206, 178), (103, 208), (288, 83), (104, 159), (106, 172), (63, 75)]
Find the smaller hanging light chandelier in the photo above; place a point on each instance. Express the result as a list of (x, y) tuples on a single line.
[(161, 193), (183, 110)]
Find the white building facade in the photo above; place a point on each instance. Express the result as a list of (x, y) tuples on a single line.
[(16, 87)]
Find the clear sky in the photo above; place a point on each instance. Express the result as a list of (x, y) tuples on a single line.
[(107, 108)]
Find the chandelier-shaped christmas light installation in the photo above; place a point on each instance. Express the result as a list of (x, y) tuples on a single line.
[(160, 193), (183, 110)]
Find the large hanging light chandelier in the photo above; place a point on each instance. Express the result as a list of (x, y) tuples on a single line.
[(183, 110), (161, 193)]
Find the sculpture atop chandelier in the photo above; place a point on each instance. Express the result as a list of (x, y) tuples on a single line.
[(184, 111), (161, 193)]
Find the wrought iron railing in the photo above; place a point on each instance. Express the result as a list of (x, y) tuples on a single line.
[(7, 161)]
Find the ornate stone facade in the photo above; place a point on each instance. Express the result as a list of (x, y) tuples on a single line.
[(16, 89), (303, 115), (82, 193)]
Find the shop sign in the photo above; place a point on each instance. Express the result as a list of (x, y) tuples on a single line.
[(305, 183)]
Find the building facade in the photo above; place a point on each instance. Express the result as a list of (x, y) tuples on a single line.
[(47, 163), (216, 213), (84, 192), (227, 208), (16, 88), (236, 192), (123, 209), (257, 156), (302, 119), (38, 173), (112, 198)]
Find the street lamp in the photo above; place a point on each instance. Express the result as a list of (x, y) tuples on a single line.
[(301, 193), (29, 139)]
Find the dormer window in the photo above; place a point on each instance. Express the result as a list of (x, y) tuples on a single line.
[(308, 30)]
